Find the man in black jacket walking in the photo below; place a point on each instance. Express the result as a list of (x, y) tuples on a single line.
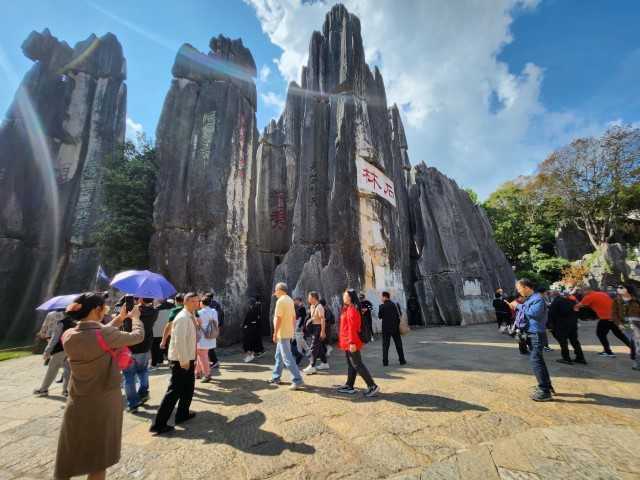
[(563, 323), (389, 313)]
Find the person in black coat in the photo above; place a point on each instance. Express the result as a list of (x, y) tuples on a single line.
[(366, 310), (389, 313), (502, 309), (563, 323), (139, 369), (251, 335)]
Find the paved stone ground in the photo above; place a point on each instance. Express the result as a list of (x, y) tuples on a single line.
[(459, 410)]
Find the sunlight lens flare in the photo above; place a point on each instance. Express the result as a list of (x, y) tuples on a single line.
[(28, 123)]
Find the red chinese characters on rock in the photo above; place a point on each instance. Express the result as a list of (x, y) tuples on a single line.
[(388, 190), (279, 210), (372, 178)]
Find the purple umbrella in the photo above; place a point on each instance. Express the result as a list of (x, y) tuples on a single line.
[(143, 284), (56, 303)]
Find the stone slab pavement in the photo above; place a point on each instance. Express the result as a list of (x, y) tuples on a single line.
[(459, 410)]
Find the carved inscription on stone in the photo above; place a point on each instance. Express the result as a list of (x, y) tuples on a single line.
[(278, 210), (472, 287), (206, 137)]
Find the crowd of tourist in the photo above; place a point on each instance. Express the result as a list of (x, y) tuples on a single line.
[(100, 353), (534, 311)]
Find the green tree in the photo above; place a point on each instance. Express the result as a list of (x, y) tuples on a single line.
[(472, 195), (127, 220), (596, 181), (524, 224)]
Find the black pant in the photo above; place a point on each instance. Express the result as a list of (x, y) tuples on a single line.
[(295, 352), (386, 342), (524, 345), (369, 324), (354, 360), (318, 349), (566, 337), (502, 318), (602, 330), (180, 390), (157, 354), (252, 341), (213, 358)]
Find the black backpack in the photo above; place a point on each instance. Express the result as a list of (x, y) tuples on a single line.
[(328, 316)]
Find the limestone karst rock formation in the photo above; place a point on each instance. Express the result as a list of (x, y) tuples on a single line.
[(68, 114), (572, 243), (459, 263), (204, 214), (321, 200), (335, 130), (335, 127)]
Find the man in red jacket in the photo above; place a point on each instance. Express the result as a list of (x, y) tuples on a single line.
[(601, 303)]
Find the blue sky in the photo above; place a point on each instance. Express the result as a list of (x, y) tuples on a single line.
[(495, 85)]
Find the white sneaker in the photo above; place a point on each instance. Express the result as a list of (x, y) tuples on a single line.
[(296, 386), (323, 366), (249, 358), (309, 370)]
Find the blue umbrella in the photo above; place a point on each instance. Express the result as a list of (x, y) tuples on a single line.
[(56, 303), (143, 283)]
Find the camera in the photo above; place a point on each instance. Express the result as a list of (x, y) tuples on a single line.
[(127, 301)]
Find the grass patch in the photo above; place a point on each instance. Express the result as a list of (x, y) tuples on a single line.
[(11, 354)]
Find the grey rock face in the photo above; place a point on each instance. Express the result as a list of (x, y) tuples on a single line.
[(436, 245), (334, 237), (238, 214), (68, 114), (459, 265), (571, 243), (204, 215)]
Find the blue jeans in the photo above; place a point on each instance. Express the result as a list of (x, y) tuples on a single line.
[(284, 358), (538, 341), (139, 368)]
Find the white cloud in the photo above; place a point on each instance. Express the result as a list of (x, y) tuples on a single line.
[(133, 129), (265, 71), (273, 100), (464, 111)]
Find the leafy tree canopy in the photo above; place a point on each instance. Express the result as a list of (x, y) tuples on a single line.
[(127, 219)]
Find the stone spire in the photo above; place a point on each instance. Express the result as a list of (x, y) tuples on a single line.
[(68, 115)]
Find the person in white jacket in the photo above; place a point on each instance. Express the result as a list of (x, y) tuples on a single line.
[(182, 355), (206, 316)]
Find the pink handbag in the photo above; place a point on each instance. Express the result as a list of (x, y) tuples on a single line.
[(122, 356)]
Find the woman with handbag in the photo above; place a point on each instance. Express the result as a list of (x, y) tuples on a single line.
[(316, 327), (91, 433)]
